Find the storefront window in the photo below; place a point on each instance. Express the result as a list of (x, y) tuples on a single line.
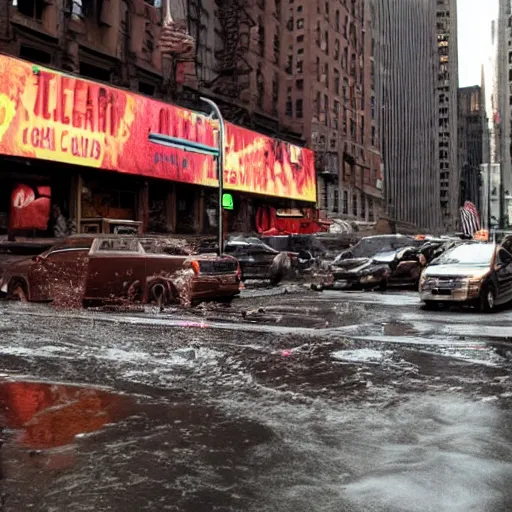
[(157, 207), (100, 200)]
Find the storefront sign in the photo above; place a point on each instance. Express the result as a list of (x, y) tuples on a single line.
[(47, 115)]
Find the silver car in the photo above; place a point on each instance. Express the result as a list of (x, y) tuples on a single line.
[(479, 274)]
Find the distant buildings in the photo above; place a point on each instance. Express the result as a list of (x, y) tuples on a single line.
[(471, 125)]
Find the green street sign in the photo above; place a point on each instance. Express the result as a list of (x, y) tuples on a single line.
[(227, 201)]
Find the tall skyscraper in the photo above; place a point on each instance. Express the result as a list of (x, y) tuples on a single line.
[(416, 95), (447, 87)]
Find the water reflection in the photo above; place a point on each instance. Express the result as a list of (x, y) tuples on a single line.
[(48, 415)]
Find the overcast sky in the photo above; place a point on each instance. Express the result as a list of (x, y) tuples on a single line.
[(474, 20)]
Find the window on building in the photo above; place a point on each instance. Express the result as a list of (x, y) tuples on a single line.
[(300, 66), (289, 64), (318, 106), (336, 112), (260, 85), (336, 200), (147, 89), (337, 20), (277, 48), (289, 103), (363, 207), (275, 94), (298, 108), (318, 70), (261, 36), (371, 212), (336, 82), (326, 109), (35, 55), (95, 72), (354, 205), (345, 202), (300, 23), (30, 8), (336, 49)]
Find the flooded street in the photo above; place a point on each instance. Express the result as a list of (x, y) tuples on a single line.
[(288, 400)]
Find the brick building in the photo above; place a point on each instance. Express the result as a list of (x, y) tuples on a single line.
[(121, 173), (329, 98), (302, 71), (113, 41)]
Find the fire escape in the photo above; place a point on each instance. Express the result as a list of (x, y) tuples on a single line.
[(231, 51)]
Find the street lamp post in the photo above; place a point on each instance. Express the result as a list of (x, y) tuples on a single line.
[(220, 167), (203, 149)]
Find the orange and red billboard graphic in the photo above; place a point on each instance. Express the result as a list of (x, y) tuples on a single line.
[(57, 117)]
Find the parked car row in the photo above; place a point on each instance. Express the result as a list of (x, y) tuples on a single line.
[(379, 262), (144, 269)]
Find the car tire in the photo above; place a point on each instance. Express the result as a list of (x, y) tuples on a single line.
[(430, 305), (488, 299), (276, 279), (159, 295), (383, 286), (17, 290)]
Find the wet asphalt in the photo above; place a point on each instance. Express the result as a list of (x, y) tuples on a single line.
[(288, 400)]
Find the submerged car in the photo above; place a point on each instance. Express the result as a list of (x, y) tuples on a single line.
[(258, 260), (478, 274), (116, 267), (377, 262)]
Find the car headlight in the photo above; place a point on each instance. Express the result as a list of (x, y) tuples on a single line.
[(423, 278)]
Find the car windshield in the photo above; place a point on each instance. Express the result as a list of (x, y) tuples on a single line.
[(467, 254)]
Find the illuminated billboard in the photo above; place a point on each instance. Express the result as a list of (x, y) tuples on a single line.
[(53, 116)]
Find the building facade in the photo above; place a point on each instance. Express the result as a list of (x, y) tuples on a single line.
[(502, 117), (416, 94), (471, 137), (329, 98), (406, 59), (80, 139)]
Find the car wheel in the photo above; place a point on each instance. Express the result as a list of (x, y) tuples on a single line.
[(430, 305), (383, 285), (276, 279), (18, 290), (488, 299), (159, 295)]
